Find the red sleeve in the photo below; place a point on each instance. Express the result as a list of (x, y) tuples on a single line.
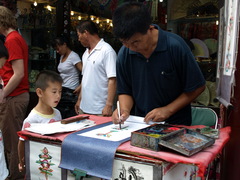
[(14, 49)]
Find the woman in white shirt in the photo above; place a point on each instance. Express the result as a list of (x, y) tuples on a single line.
[(69, 67)]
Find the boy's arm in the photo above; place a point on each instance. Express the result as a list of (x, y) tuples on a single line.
[(21, 149)]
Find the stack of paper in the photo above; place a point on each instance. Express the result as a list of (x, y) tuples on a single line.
[(57, 127)]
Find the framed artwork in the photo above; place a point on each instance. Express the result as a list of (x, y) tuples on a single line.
[(131, 170), (43, 161), (220, 41), (232, 15), (227, 51)]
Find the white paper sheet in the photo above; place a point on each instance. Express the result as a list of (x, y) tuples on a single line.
[(57, 127), (113, 133), (138, 119)]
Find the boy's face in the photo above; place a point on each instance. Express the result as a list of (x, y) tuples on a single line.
[(52, 94)]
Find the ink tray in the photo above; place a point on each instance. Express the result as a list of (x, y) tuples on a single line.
[(149, 137), (185, 141), (208, 131)]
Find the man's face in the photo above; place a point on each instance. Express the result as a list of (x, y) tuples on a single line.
[(82, 38), (138, 42)]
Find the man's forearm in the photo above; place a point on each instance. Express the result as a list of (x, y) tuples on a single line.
[(184, 99), (126, 102), (112, 85)]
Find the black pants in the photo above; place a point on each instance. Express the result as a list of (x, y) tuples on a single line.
[(67, 103)]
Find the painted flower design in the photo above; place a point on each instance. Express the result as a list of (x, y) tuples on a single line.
[(45, 163)]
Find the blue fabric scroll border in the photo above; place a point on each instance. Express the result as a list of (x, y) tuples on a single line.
[(95, 156)]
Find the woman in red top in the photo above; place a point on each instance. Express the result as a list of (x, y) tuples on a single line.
[(16, 90)]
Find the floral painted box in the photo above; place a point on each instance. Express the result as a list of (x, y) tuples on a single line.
[(149, 137)]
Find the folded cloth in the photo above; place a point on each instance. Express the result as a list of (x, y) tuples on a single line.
[(95, 156)]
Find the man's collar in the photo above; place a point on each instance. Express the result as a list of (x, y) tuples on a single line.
[(99, 44), (162, 39)]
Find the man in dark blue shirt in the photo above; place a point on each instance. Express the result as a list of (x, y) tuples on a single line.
[(157, 75)]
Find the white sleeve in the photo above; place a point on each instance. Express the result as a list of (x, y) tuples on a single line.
[(75, 58), (110, 63), (58, 115)]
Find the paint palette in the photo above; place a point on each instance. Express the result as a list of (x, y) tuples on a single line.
[(208, 131), (186, 142), (149, 138)]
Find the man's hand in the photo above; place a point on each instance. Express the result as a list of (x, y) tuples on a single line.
[(107, 110), (157, 115), (124, 115)]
